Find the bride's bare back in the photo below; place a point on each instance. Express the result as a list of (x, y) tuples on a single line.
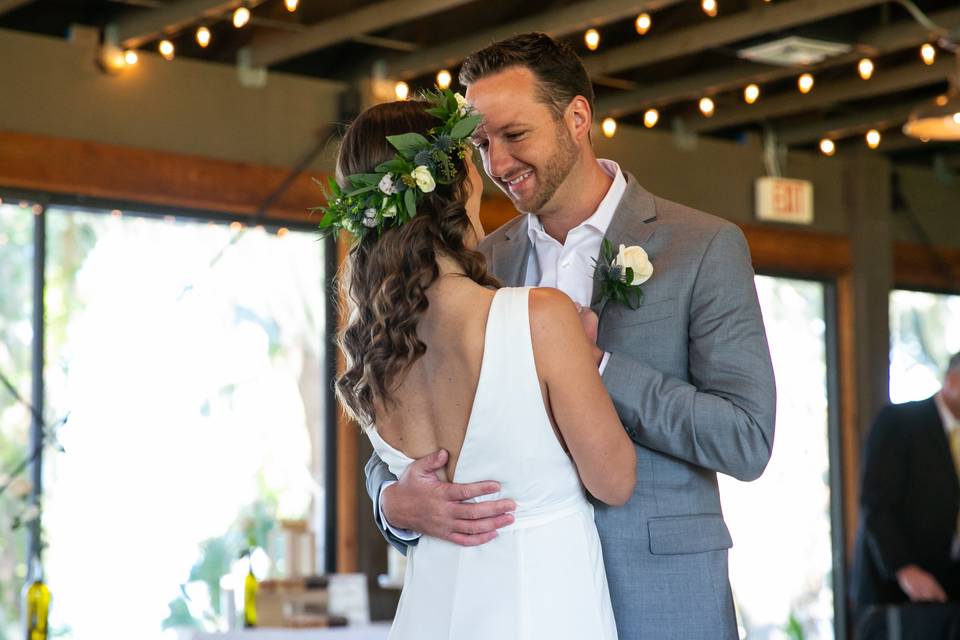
[(435, 397)]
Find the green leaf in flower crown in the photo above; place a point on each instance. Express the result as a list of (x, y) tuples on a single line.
[(410, 201), (364, 179), (465, 127), (408, 143), (396, 165), (327, 220), (452, 105), (437, 112)]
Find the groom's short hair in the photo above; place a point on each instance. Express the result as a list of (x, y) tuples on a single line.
[(560, 74)]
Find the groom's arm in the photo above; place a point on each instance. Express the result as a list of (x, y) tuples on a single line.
[(419, 502), (723, 419)]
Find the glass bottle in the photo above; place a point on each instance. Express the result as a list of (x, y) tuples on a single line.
[(250, 588), (36, 603)]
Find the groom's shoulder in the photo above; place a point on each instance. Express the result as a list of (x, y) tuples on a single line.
[(506, 230), (679, 214)]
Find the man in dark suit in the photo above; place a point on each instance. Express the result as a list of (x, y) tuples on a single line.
[(907, 547)]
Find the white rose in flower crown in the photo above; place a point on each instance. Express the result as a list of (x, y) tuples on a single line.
[(387, 186), (635, 258), (424, 179), (462, 105), (390, 211)]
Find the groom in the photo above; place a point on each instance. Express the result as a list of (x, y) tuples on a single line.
[(689, 371)]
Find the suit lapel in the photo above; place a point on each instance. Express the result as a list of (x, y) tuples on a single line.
[(630, 226), (510, 256)]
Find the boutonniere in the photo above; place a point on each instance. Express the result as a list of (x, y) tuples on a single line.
[(622, 274)]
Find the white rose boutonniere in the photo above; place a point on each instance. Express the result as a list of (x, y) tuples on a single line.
[(424, 179), (622, 274)]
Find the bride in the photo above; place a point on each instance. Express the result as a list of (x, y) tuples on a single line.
[(440, 357)]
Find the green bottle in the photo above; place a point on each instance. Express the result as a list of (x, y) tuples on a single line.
[(36, 603), (250, 588)]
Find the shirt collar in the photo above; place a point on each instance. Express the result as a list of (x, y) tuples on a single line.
[(950, 422), (601, 218)]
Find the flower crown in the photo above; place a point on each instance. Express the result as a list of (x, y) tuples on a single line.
[(389, 196)]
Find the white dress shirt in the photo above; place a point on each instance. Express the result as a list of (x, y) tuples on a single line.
[(568, 267)]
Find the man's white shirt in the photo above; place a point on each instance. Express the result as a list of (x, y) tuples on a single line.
[(568, 267)]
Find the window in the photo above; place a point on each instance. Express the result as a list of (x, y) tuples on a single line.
[(781, 561), (16, 341), (924, 333), (189, 356)]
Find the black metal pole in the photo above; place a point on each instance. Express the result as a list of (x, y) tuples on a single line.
[(330, 401), (34, 546)]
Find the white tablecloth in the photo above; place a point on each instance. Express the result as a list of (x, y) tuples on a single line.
[(375, 631)]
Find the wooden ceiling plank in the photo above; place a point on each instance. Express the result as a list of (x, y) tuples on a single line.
[(719, 32), (906, 76), (272, 48), (145, 25), (559, 22), (846, 126), (876, 42), (7, 6)]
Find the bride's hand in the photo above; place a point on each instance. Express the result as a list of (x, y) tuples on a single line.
[(422, 503), (591, 324)]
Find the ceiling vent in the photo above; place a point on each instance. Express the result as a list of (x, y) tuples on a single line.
[(793, 51)]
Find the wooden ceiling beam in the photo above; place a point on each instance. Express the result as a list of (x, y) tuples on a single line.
[(719, 32), (906, 76), (558, 22), (272, 48), (144, 25), (875, 42), (846, 126)]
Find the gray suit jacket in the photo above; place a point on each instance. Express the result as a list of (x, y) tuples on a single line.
[(691, 378)]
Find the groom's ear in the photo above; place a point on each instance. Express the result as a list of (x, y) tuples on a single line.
[(580, 117)]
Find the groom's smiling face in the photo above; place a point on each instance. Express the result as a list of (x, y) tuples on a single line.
[(526, 147)]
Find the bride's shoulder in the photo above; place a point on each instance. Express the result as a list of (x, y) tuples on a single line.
[(552, 313)]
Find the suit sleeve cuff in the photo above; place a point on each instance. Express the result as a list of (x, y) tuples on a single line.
[(402, 534), (603, 362)]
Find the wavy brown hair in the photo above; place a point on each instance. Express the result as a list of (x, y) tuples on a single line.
[(385, 279)]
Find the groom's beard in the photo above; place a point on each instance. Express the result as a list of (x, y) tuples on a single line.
[(553, 174)]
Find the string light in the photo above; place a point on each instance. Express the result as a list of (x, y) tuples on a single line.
[(241, 17), (873, 138), (130, 57), (609, 127), (401, 90), (827, 147), (805, 83), (706, 106), (443, 79), (116, 213), (592, 39), (236, 226), (941, 100), (203, 37), (750, 93), (643, 23), (282, 231), (650, 118), (928, 53), (865, 68), (291, 5), (166, 49), (709, 7)]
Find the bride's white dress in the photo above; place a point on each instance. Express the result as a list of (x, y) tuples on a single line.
[(541, 577)]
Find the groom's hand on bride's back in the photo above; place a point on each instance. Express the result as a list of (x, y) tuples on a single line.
[(422, 503)]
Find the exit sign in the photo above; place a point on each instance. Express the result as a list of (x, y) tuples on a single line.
[(784, 200)]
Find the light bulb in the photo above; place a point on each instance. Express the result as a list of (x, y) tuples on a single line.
[(873, 138), (709, 7), (750, 93), (928, 53), (291, 5), (827, 147), (282, 231), (241, 17), (166, 49), (941, 101), (805, 83), (650, 118), (706, 106), (401, 90), (643, 23), (592, 39), (443, 79), (203, 36), (130, 57), (609, 127), (865, 68), (956, 118)]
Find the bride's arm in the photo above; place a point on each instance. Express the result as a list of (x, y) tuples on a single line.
[(582, 409)]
